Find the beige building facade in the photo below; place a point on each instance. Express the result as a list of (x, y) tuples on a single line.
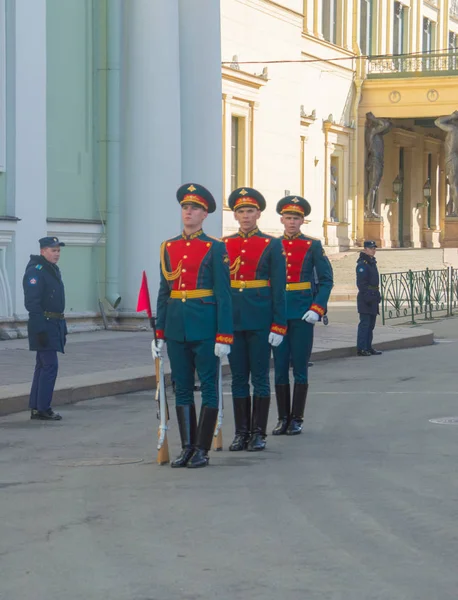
[(298, 78)]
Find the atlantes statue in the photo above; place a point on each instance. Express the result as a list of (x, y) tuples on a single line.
[(450, 125), (374, 131)]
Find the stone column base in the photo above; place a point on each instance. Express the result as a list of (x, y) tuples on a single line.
[(373, 230), (450, 238), (431, 238)]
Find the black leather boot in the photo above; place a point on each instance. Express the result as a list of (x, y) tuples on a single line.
[(242, 417), (205, 431), (258, 429), (297, 411), (283, 393), (187, 424)]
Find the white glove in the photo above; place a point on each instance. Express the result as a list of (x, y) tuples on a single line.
[(156, 348), (222, 350), (311, 317), (275, 339)]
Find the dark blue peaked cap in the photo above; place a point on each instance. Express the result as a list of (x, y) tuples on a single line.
[(294, 204), (196, 194), (245, 197), (50, 242), (370, 244)]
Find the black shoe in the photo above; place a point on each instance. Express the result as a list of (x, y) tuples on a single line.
[(46, 415), (297, 410), (199, 459), (183, 458), (363, 353), (283, 394), (242, 417), (205, 431), (187, 424), (375, 352), (258, 429), (34, 413)]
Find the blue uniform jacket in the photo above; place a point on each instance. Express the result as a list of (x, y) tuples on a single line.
[(257, 256), (44, 292), (189, 264), (305, 257), (367, 280)]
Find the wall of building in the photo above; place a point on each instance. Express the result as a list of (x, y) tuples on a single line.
[(418, 87), (75, 206), (289, 146)]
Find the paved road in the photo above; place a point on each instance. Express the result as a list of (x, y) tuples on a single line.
[(361, 507)]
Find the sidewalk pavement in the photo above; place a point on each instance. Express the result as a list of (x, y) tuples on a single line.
[(106, 363)]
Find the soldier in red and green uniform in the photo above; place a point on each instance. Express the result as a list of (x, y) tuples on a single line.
[(304, 257), (194, 317), (258, 278)]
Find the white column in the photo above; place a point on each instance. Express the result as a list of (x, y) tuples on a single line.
[(150, 139), (30, 191), (200, 88)]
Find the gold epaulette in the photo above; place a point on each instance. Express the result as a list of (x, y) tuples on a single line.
[(169, 275), (235, 267)]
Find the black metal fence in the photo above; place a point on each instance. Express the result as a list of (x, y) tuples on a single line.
[(419, 295)]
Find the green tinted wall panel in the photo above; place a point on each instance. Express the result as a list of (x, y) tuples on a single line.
[(70, 109), (100, 105), (2, 194), (83, 273)]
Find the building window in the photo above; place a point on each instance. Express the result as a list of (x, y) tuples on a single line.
[(453, 47), (329, 21), (398, 29), (365, 32), (235, 139), (302, 167), (428, 42), (238, 153), (237, 145)]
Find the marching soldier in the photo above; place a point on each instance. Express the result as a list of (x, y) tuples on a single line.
[(194, 316), (305, 259), (258, 277)]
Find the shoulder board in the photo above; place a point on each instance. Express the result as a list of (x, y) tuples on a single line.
[(174, 239), (213, 238), (312, 238), (39, 267)]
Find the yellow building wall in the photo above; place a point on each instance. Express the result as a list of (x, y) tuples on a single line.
[(301, 118)]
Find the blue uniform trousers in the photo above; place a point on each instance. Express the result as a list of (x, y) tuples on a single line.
[(365, 331), (250, 354), (44, 379), (295, 349), (185, 359)]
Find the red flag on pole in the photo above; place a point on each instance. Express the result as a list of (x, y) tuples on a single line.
[(144, 302)]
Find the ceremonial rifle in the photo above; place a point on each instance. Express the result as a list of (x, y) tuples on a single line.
[(218, 435), (162, 414)]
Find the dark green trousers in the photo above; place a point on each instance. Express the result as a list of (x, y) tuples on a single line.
[(188, 357)]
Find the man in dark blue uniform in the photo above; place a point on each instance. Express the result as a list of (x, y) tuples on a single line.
[(44, 296), (309, 281), (194, 317), (258, 281), (368, 300)]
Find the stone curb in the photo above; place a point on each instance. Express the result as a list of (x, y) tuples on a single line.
[(14, 398)]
